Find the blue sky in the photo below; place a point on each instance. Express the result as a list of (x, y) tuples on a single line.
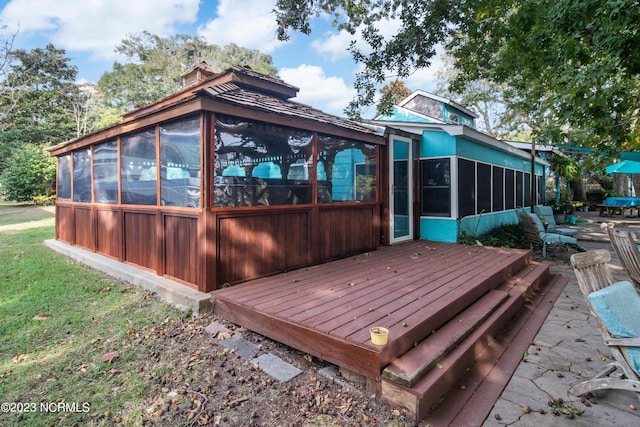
[(89, 30)]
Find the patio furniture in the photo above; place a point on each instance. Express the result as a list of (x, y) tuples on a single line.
[(538, 238), (615, 306), (546, 213), (625, 246), (618, 206)]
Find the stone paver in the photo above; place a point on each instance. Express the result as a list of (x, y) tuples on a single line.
[(567, 350)]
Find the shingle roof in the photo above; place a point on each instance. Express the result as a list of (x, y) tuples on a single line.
[(232, 93)]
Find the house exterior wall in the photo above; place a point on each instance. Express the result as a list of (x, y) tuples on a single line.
[(437, 144)]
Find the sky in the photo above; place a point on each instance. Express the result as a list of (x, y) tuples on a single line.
[(89, 31)]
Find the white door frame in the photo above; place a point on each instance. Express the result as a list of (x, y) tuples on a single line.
[(400, 222)]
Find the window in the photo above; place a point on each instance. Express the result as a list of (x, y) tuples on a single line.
[(64, 177), (346, 170), (105, 172), (483, 184), (180, 163), (260, 164), (519, 189), (498, 189), (138, 168), (436, 187), (466, 188), (527, 189), (509, 189), (82, 176)]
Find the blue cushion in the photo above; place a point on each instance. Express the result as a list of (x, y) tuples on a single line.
[(618, 307), (558, 238)]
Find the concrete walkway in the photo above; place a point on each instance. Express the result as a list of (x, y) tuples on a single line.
[(567, 350)]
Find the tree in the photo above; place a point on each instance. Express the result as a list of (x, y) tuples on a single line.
[(154, 66), (576, 62), (36, 99), (29, 172), (573, 65), (393, 93), (422, 26)]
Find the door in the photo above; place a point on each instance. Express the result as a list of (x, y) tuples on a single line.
[(401, 197)]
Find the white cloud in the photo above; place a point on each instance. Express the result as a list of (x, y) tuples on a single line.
[(334, 46), (330, 94), (97, 26), (247, 23)]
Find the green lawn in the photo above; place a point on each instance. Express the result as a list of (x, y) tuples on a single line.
[(57, 320)]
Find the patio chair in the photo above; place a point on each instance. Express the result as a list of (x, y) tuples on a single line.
[(546, 212), (615, 306), (538, 238), (625, 246)]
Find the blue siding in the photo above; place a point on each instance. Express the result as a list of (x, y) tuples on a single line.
[(439, 230), (439, 143), (448, 230), (398, 115)]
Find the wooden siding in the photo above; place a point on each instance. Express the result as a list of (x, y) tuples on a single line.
[(181, 248), (64, 224), (85, 230), (344, 231), (261, 243), (140, 239), (109, 233)]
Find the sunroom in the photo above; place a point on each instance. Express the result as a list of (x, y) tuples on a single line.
[(224, 181)]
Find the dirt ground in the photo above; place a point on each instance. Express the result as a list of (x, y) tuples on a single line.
[(194, 380)]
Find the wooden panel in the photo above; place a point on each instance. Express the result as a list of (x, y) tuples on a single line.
[(85, 231), (344, 231), (261, 243), (109, 231), (141, 242), (64, 223), (181, 248)]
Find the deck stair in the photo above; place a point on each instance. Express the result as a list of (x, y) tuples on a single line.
[(457, 315), (459, 356)]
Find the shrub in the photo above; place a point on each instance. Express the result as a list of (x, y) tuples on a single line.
[(29, 172), (504, 236)]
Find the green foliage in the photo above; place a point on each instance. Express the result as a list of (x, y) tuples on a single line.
[(572, 63), (569, 67), (504, 236), (595, 197), (155, 64), (37, 98), (392, 94), (29, 172), (561, 205), (564, 167)]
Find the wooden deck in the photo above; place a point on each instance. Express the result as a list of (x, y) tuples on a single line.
[(431, 296)]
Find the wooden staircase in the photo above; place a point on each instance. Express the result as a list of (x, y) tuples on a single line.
[(446, 370)]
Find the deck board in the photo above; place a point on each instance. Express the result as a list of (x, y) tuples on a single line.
[(327, 310)]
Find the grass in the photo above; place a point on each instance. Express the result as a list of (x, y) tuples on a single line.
[(58, 319)]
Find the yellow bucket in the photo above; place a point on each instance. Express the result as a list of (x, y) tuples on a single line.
[(379, 335)]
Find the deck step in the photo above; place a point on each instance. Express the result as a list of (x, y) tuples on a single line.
[(408, 369), (423, 389)]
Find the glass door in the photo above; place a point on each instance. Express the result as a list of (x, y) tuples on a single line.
[(401, 197)]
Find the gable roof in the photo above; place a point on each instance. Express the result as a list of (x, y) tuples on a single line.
[(242, 87), (421, 93)]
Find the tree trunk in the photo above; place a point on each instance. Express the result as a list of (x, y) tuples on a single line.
[(579, 192), (620, 184)]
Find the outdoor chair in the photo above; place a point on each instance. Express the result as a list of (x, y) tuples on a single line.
[(538, 238), (625, 246), (546, 213), (615, 306)]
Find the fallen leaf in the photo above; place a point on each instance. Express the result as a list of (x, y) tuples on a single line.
[(108, 357), (41, 317), (224, 335)]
